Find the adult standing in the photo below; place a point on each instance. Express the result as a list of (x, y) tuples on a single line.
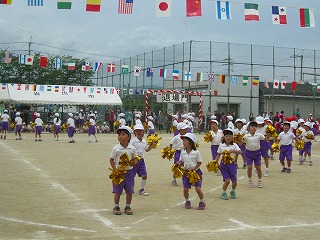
[(111, 120), (168, 122), (209, 114), (129, 117)]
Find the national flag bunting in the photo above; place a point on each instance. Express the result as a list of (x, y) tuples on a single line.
[(150, 72), (211, 77), (97, 66), (193, 8), (175, 74), (58, 63), (71, 65), (255, 81), (64, 4), (111, 67), (125, 6), (223, 10), (283, 84), (276, 84), (279, 15), (187, 75), (163, 8), (85, 66), (234, 80), (43, 62), (3, 86), (26, 59), (8, 57), (56, 89), (199, 77), (245, 80), (307, 18), (163, 73), (34, 88), (251, 12), (93, 5), (318, 87), (125, 69), (35, 3), (137, 71), (266, 84), (294, 86), (49, 88), (222, 78), (8, 2)]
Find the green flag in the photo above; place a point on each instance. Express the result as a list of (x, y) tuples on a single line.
[(125, 69), (245, 80)]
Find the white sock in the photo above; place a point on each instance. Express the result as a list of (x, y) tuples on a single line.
[(143, 184), (309, 158)]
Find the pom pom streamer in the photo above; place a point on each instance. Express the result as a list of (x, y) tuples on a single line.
[(117, 177), (154, 138), (168, 153), (213, 166), (275, 147), (177, 170), (310, 136), (193, 176), (299, 145), (116, 123), (227, 158), (238, 137), (208, 137), (172, 129), (271, 131)]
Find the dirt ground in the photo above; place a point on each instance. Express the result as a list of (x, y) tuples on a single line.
[(57, 190)]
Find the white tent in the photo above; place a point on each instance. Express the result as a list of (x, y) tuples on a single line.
[(59, 94)]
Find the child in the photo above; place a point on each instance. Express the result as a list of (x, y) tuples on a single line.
[(263, 144), (122, 119), (57, 126), (216, 134), (124, 146), (253, 153), (71, 128), (175, 124), (150, 126), (18, 128), (307, 144), (137, 118), (229, 122), (228, 170), (141, 145), (285, 139), (191, 160), (269, 122), (105, 128), (241, 129), (177, 144), (81, 120), (4, 124), (92, 128), (38, 131)]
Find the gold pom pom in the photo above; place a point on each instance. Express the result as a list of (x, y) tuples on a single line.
[(12, 125), (310, 136), (298, 132), (116, 123), (193, 176), (227, 158), (208, 137), (154, 138), (299, 145), (238, 137), (168, 153), (172, 129), (275, 147), (271, 131), (117, 177), (197, 144), (145, 125), (213, 166), (87, 124), (177, 171)]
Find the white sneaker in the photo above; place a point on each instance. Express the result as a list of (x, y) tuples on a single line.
[(266, 174), (143, 192), (174, 182), (219, 173)]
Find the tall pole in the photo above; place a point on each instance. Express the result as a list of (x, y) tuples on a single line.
[(229, 72), (210, 95), (251, 60), (294, 79), (273, 77), (189, 70), (173, 60)]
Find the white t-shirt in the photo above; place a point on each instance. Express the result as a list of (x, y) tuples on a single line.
[(190, 160), (5, 117), (122, 122), (92, 122), (286, 138), (222, 147), (18, 120), (175, 123), (140, 146), (177, 143), (304, 134), (253, 142), (230, 125), (262, 130), (57, 121), (138, 121), (150, 125), (118, 150), (70, 122), (216, 137), (38, 122)]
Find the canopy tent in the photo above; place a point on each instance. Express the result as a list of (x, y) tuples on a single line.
[(59, 94)]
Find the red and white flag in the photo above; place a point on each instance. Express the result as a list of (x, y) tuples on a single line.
[(111, 67), (125, 6), (163, 8), (193, 8), (43, 62), (283, 84), (276, 84)]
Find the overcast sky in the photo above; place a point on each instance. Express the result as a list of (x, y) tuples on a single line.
[(114, 36)]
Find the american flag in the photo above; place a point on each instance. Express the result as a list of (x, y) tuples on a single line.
[(8, 58), (125, 7), (211, 77)]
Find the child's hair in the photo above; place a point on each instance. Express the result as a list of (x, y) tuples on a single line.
[(224, 141), (126, 132), (192, 144)]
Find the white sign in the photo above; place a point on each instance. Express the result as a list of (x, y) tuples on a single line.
[(172, 98)]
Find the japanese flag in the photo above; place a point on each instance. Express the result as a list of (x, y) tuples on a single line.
[(283, 84), (163, 8), (276, 84)]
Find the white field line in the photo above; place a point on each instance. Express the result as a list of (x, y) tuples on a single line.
[(58, 186), (45, 225)]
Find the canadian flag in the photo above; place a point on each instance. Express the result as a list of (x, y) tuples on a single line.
[(163, 8), (283, 84), (276, 84)]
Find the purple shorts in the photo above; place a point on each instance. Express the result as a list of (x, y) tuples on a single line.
[(253, 157), (140, 168), (5, 126), (242, 148), (92, 130), (214, 151), (71, 131), (264, 148), (151, 131), (18, 128), (229, 171), (38, 130), (176, 132), (176, 156), (127, 184), (187, 184), (56, 129), (81, 122), (306, 149), (285, 152), (270, 144)]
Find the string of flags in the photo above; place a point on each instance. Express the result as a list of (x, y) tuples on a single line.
[(163, 8)]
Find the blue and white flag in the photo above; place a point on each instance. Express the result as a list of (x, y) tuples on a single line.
[(234, 80), (150, 72), (35, 3), (58, 63), (187, 76), (97, 66), (223, 10)]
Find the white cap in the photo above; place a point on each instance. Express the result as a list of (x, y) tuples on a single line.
[(56, 114), (81, 110), (244, 121), (137, 115), (213, 117), (104, 122), (70, 114), (17, 113), (181, 126), (138, 127), (301, 120), (230, 117), (95, 112), (91, 115), (268, 120), (226, 131), (184, 116), (175, 116), (239, 120), (150, 118), (259, 120), (125, 128), (190, 136), (5, 111), (37, 114), (122, 115), (309, 124), (186, 121), (190, 118)]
